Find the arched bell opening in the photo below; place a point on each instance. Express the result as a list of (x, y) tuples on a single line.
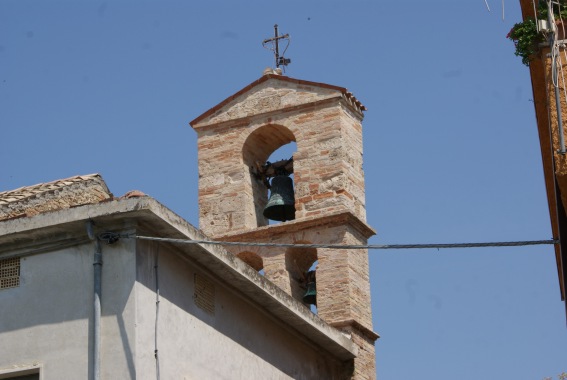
[(258, 150), (300, 264), (252, 259)]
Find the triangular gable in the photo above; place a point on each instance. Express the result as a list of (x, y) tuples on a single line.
[(271, 92)]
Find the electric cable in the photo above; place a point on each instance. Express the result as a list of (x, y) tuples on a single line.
[(345, 246)]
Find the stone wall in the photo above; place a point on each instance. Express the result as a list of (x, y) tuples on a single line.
[(343, 284), (327, 165), (239, 135)]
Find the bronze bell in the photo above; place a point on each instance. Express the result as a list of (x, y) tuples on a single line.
[(281, 205), (310, 296)]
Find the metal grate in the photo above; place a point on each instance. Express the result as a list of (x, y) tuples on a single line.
[(204, 295), (10, 273)]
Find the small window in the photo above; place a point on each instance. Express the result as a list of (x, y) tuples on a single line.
[(204, 295), (10, 273)]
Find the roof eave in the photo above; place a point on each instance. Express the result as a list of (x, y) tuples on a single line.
[(68, 225)]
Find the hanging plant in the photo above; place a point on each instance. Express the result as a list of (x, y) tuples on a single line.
[(559, 10), (525, 36)]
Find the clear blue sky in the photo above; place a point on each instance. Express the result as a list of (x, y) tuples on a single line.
[(451, 146)]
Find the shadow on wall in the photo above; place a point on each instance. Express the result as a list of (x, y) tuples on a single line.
[(233, 316)]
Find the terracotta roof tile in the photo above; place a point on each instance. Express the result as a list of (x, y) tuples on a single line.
[(51, 196)]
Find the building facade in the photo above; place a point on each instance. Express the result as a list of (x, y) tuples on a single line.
[(216, 317), (95, 286), (236, 138), (550, 104)]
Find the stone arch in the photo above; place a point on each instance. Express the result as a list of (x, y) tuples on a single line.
[(259, 145), (297, 263), (252, 259)]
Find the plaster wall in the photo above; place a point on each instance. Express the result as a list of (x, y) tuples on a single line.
[(234, 339), (47, 320)]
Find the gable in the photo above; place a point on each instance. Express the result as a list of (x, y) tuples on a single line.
[(269, 93)]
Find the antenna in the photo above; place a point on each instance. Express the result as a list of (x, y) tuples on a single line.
[(280, 61)]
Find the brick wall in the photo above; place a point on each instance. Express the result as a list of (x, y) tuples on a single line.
[(329, 195), (327, 165)]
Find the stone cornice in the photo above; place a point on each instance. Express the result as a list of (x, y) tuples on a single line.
[(278, 112), (368, 333), (332, 220)]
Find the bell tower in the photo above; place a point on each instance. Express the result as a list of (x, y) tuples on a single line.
[(235, 140)]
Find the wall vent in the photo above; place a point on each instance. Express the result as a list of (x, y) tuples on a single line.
[(10, 273), (204, 295)]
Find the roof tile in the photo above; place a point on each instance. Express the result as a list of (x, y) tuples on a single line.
[(52, 196)]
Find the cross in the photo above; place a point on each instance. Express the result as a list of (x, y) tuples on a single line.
[(280, 61)]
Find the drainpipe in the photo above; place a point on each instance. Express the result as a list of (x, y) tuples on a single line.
[(555, 78), (97, 293)]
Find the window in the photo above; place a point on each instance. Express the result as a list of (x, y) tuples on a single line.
[(10, 273), (204, 295)]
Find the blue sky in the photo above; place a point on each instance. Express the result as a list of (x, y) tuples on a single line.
[(451, 146)]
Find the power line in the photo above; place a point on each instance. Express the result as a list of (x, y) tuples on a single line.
[(111, 237)]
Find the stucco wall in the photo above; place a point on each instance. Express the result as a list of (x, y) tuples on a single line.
[(236, 341), (47, 320)]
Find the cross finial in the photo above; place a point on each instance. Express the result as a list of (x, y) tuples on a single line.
[(280, 60)]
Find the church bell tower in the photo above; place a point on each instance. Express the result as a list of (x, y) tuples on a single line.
[(325, 204)]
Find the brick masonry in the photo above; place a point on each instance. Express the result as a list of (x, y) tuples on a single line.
[(560, 159), (325, 122)]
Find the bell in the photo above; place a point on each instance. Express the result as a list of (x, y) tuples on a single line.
[(310, 296), (281, 205)]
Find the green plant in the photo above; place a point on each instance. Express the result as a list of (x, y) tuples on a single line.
[(526, 39), (525, 35), (559, 10)]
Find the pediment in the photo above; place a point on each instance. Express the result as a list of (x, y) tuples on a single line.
[(268, 94)]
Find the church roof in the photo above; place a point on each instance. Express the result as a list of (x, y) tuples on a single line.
[(51, 196)]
